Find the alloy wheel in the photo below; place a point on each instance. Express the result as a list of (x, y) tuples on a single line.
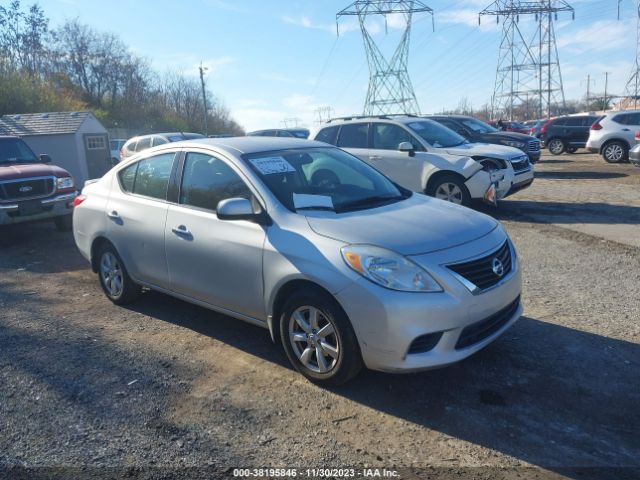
[(111, 273), (449, 192), (614, 152), (556, 147), (313, 339)]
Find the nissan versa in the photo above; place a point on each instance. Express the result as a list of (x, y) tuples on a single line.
[(344, 267)]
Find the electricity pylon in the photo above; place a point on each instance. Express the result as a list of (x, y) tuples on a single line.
[(632, 89), (527, 68), (390, 90)]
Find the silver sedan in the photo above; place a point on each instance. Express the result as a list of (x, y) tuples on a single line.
[(344, 267)]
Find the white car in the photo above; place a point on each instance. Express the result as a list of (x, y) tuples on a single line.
[(427, 157), (613, 135)]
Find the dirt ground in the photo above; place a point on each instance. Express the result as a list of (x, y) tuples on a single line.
[(164, 389)]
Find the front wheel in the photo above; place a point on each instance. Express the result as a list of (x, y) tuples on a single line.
[(556, 146), (114, 279), (615, 152), (318, 338), (450, 188)]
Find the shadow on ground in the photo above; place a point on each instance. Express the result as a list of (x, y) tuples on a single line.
[(579, 175), (552, 396)]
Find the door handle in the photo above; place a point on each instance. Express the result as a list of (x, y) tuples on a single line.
[(375, 157), (181, 230), (113, 215), (626, 129)]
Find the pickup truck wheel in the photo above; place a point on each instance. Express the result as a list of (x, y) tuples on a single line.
[(114, 279), (556, 146), (63, 223), (450, 188), (615, 152)]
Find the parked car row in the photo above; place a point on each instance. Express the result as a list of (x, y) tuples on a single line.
[(343, 266)]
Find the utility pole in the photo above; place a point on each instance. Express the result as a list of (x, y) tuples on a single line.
[(204, 99), (606, 85), (589, 89), (390, 90)]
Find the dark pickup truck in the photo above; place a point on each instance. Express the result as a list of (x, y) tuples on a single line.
[(30, 189)]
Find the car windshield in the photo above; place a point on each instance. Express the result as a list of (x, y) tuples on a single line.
[(323, 179), (478, 126), (13, 150), (435, 134)]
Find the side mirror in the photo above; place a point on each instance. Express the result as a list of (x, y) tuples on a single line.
[(44, 158), (239, 209), (407, 147)]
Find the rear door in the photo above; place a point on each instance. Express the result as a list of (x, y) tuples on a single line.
[(137, 211), (211, 260), (630, 126)]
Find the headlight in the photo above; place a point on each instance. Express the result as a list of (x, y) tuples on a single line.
[(388, 269), (513, 143), (64, 183)]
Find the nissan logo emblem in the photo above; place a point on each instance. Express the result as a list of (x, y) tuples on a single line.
[(25, 189), (497, 267)]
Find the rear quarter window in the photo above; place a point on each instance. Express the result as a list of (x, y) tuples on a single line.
[(354, 136), (328, 135)]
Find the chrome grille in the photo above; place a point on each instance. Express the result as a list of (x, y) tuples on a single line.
[(480, 271), (534, 145), (521, 163), (27, 188)]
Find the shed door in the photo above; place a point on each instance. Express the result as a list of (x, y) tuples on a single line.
[(96, 147)]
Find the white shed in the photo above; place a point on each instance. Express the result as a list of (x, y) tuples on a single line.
[(76, 141)]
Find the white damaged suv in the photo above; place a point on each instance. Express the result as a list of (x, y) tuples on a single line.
[(426, 157)]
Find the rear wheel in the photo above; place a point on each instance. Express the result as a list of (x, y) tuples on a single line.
[(556, 146), (615, 152), (63, 223), (318, 338), (114, 279), (450, 188)]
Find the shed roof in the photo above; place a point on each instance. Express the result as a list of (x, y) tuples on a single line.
[(52, 123)]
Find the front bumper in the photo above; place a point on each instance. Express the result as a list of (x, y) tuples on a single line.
[(634, 155), (479, 183), (40, 209), (523, 179), (387, 322), (534, 155)]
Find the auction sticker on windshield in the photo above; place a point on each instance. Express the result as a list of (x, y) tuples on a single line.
[(271, 165)]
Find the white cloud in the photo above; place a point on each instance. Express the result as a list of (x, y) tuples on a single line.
[(598, 37), (306, 22)]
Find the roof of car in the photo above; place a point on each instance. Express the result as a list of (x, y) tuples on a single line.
[(242, 145)]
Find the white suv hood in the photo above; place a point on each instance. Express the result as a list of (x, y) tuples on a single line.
[(485, 150), (414, 226)]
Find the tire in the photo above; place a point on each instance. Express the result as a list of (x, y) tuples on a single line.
[(330, 358), (556, 146), (572, 150), (615, 152), (450, 188), (111, 269), (63, 223)]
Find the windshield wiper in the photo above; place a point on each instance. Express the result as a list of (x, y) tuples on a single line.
[(316, 207), (368, 201)]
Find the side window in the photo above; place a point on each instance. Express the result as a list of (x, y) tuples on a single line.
[(207, 180), (159, 141), (634, 119), (328, 135), (387, 136), (128, 177), (131, 147), (561, 122), (573, 122), (353, 136), (152, 177), (143, 144), (621, 119)]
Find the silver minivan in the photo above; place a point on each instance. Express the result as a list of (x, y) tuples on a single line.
[(344, 267)]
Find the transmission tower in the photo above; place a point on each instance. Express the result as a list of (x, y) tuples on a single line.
[(632, 89), (527, 68), (390, 90)]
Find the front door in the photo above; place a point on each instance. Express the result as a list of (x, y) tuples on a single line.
[(211, 260), (96, 148)]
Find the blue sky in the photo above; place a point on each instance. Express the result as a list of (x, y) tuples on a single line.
[(271, 60)]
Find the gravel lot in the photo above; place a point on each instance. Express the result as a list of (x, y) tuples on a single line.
[(92, 389)]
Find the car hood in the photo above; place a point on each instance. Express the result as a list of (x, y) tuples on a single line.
[(414, 226), (485, 150), (27, 170)]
